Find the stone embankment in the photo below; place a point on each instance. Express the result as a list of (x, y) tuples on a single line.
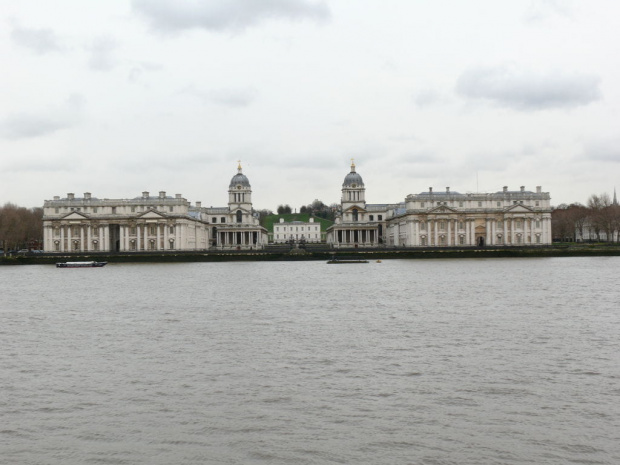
[(321, 253)]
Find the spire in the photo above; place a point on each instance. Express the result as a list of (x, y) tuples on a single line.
[(615, 198), (239, 167), (352, 166)]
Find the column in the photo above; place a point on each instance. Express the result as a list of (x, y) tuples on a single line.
[(166, 236), (145, 230), (512, 231), (158, 246), (81, 238), (449, 243), (505, 238)]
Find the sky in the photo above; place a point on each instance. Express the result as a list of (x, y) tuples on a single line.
[(118, 97)]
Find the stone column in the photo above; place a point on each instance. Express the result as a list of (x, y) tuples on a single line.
[(166, 236), (81, 238), (158, 226), (505, 238), (512, 231), (449, 233)]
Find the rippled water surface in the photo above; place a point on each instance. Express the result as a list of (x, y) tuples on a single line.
[(490, 361)]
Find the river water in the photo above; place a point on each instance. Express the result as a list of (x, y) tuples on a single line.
[(485, 361)]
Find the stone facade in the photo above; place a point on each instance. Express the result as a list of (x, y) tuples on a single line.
[(285, 231), (152, 223), (442, 219)]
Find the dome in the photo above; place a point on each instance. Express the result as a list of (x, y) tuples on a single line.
[(239, 179), (353, 179)]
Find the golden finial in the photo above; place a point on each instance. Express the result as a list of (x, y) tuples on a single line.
[(239, 167), (352, 165)]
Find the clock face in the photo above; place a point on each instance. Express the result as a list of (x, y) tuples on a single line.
[(239, 186), (353, 185)]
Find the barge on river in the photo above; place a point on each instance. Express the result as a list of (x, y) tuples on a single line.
[(81, 264)]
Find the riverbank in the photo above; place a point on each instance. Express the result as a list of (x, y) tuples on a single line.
[(281, 254)]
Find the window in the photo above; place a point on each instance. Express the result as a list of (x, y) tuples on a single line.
[(370, 217), (132, 230), (380, 217), (56, 210), (537, 203), (499, 204), (519, 224), (133, 209), (114, 210), (460, 204), (239, 216), (423, 226), (442, 225), (213, 220), (538, 223), (171, 230), (500, 223), (423, 240), (171, 208), (354, 213), (223, 219), (461, 225), (422, 204), (94, 209), (537, 239), (461, 240), (152, 230), (480, 204)]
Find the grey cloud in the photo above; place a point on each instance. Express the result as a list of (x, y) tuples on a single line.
[(603, 150), (139, 69), (28, 125), (426, 97), (40, 41), (525, 91), (101, 53), (231, 97), (20, 126), (232, 15), (540, 10)]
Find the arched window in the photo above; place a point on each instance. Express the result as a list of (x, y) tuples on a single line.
[(354, 212), (239, 216)]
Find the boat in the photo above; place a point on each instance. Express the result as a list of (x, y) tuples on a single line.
[(338, 261), (81, 264)]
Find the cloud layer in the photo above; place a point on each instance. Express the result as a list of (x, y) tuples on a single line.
[(526, 91), (213, 15)]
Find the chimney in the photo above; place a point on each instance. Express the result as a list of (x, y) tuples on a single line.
[(145, 195), (522, 188), (447, 190), (71, 196), (86, 195), (430, 190), (198, 204), (162, 194), (178, 196), (56, 197), (505, 188), (539, 189)]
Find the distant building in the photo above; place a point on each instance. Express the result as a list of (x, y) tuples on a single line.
[(286, 231), (152, 223), (442, 219)]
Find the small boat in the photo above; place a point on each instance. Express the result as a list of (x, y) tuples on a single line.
[(338, 261), (80, 264)]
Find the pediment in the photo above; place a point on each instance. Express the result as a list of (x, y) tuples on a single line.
[(443, 209), (75, 216), (151, 214), (519, 209), (356, 207)]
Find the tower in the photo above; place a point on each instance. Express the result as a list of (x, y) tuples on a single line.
[(240, 197)]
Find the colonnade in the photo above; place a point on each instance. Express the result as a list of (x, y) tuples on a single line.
[(355, 236), (446, 232), (239, 239)]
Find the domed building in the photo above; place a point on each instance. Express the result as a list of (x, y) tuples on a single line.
[(359, 224), (152, 223), (237, 228)]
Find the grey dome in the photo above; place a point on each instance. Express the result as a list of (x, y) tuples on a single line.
[(239, 179), (353, 179)]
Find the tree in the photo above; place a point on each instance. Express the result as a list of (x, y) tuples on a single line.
[(20, 227), (284, 209)]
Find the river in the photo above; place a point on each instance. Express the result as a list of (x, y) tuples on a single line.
[(480, 361)]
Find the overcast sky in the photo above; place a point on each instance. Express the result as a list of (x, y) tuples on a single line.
[(117, 97)]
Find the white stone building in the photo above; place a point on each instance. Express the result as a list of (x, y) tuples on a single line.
[(297, 231), (442, 219), (152, 223)]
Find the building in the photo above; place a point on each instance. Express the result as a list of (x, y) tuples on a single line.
[(152, 223), (442, 219), (296, 231)]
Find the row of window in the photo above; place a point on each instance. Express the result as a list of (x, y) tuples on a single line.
[(75, 231), (133, 209), (461, 204)]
